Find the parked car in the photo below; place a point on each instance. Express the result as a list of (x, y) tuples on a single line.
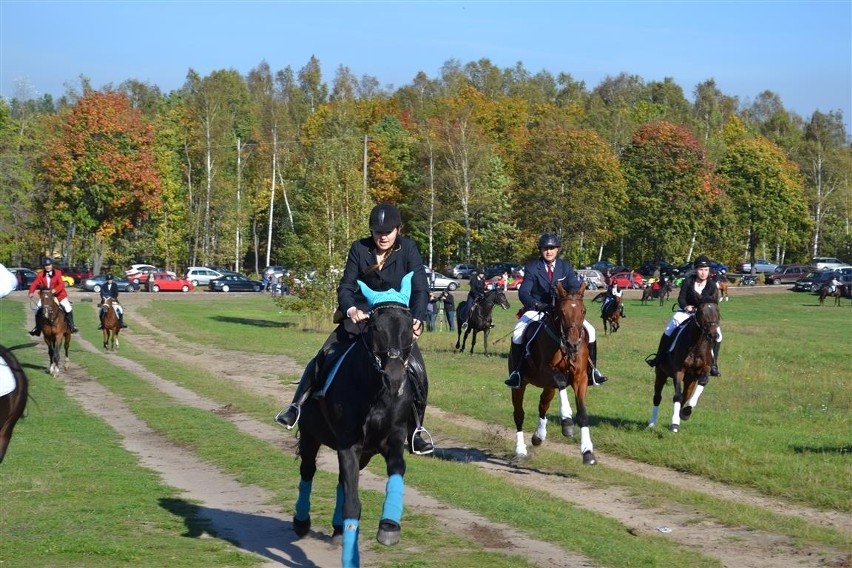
[(603, 265), (624, 282), (25, 277), (499, 268), (804, 284), (278, 271), (594, 279), (78, 273), (760, 265), (649, 268), (823, 262), (96, 283), (140, 277), (515, 281), (165, 282), (201, 275), (787, 274), (824, 277), (462, 270), (438, 281), (715, 268), (234, 283)]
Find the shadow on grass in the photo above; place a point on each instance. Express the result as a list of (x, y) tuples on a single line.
[(255, 322), (265, 536), (840, 450)]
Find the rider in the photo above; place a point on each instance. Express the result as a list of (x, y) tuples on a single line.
[(380, 261), (477, 292), (613, 292), (110, 290), (695, 289), (537, 294), (51, 279)]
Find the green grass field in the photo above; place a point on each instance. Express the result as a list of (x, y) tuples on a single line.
[(776, 422)]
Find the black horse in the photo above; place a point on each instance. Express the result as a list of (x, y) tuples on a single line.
[(365, 410), (14, 388), (687, 362), (478, 318)]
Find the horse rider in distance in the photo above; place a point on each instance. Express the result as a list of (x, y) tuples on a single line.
[(51, 279)]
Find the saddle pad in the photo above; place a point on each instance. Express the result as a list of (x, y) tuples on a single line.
[(333, 371), (7, 379)]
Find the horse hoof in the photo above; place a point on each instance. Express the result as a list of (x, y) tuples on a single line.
[(301, 528), (336, 534), (567, 427), (589, 458), (674, 428), (685, 412), (536, 441), (388, 533)]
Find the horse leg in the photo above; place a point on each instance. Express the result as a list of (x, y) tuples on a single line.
[(458, 340), (692, 392), (580, 384), (106, 338), (677, 401), (485, 333), (543, 405), (659, 383), (349, 476), (389, 526), (472, 339), (565, 414), (308, 450), (518, 415), (67, 344)]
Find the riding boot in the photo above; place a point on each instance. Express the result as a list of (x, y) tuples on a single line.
[(121, 323), (516, 358), (69, 319), (417, 377), (36, 331), (623, 315), (714, 367), (665, 343), (289, 418), (595, 376), (420, 446), (101, 316)]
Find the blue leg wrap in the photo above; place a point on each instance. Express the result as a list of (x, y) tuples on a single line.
[(350, 557), (393, 499), (303, 503), (337, 518)]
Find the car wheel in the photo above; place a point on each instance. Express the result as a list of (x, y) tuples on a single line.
[(132, 288), (258, 288), (155, 288), (97, 288), (226, 288), (452, 286), (184, 288), (194, 283)]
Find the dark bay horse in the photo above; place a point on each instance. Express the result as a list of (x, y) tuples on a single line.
[(687, 363), (14, 389), (55, 331), (611, 314), (558, 356), (365, 411), (826, 291), (111, 325), (663, 291), (479, 318)]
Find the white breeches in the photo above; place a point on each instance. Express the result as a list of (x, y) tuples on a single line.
[(66, 304), (533, 315), (680, 317)]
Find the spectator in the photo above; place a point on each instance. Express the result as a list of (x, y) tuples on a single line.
[(431, 308), (449, 309)]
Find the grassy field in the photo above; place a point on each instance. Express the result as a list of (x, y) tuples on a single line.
[(777, 422)]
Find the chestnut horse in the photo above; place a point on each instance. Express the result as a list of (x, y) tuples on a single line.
[(723, 290), (687, 362), (111, 325), (557, 348), (54, 329), (14, 389)]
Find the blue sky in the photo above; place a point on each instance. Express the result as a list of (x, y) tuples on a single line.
[(800, 50)]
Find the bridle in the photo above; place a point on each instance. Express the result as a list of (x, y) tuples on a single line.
[(49, 306), (709, 328), (381, 358)]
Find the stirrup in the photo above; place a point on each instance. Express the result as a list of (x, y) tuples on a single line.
[(651, 360), (420, 430), (279, 418), (514, 380), (596, 379)]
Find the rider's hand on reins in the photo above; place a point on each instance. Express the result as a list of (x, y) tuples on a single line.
[(417, 326), (358, 316)]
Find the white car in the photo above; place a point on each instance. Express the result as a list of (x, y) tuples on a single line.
[(823, 262), (438, 281), (201, 275)]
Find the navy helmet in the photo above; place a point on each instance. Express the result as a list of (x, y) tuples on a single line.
[(47, 261), (548, 240), (702, 261)]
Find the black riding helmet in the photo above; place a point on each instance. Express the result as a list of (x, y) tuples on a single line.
[(548, 240), (384, 218), (109, 277), (702, 261), (47, 261)]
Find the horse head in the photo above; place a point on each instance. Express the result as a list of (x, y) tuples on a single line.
[(49, 306), (707, 318), (570, 314), (498, 297)]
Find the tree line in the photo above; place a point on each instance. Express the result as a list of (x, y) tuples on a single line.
[(282, 168)]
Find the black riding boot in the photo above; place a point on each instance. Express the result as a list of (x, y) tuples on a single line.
[(36, 331), (714, 367), (516, 354), (289, 418), (623, 315), (69, 319), (595, 376), (121, 323), (417, 377), (665, 343), (420, 446)]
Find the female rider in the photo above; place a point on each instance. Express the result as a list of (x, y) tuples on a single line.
[(380, 261)]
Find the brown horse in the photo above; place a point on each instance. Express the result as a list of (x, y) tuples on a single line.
[(558, 356), (611, 314), (723, 290), (54, 328), (12, 403), (826, 291), (111, 325), (687, 362)]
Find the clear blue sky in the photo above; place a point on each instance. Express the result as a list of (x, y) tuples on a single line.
[(801, 50)]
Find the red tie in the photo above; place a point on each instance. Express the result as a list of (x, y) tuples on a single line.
[(550, 272)]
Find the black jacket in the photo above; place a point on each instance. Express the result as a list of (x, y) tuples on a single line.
[(361, 265), (689, 297)]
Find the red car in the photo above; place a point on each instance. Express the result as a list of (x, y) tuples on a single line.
[(163, 282), (515, 281), (623, 279)]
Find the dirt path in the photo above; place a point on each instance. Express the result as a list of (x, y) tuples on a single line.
[(245, 515)]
